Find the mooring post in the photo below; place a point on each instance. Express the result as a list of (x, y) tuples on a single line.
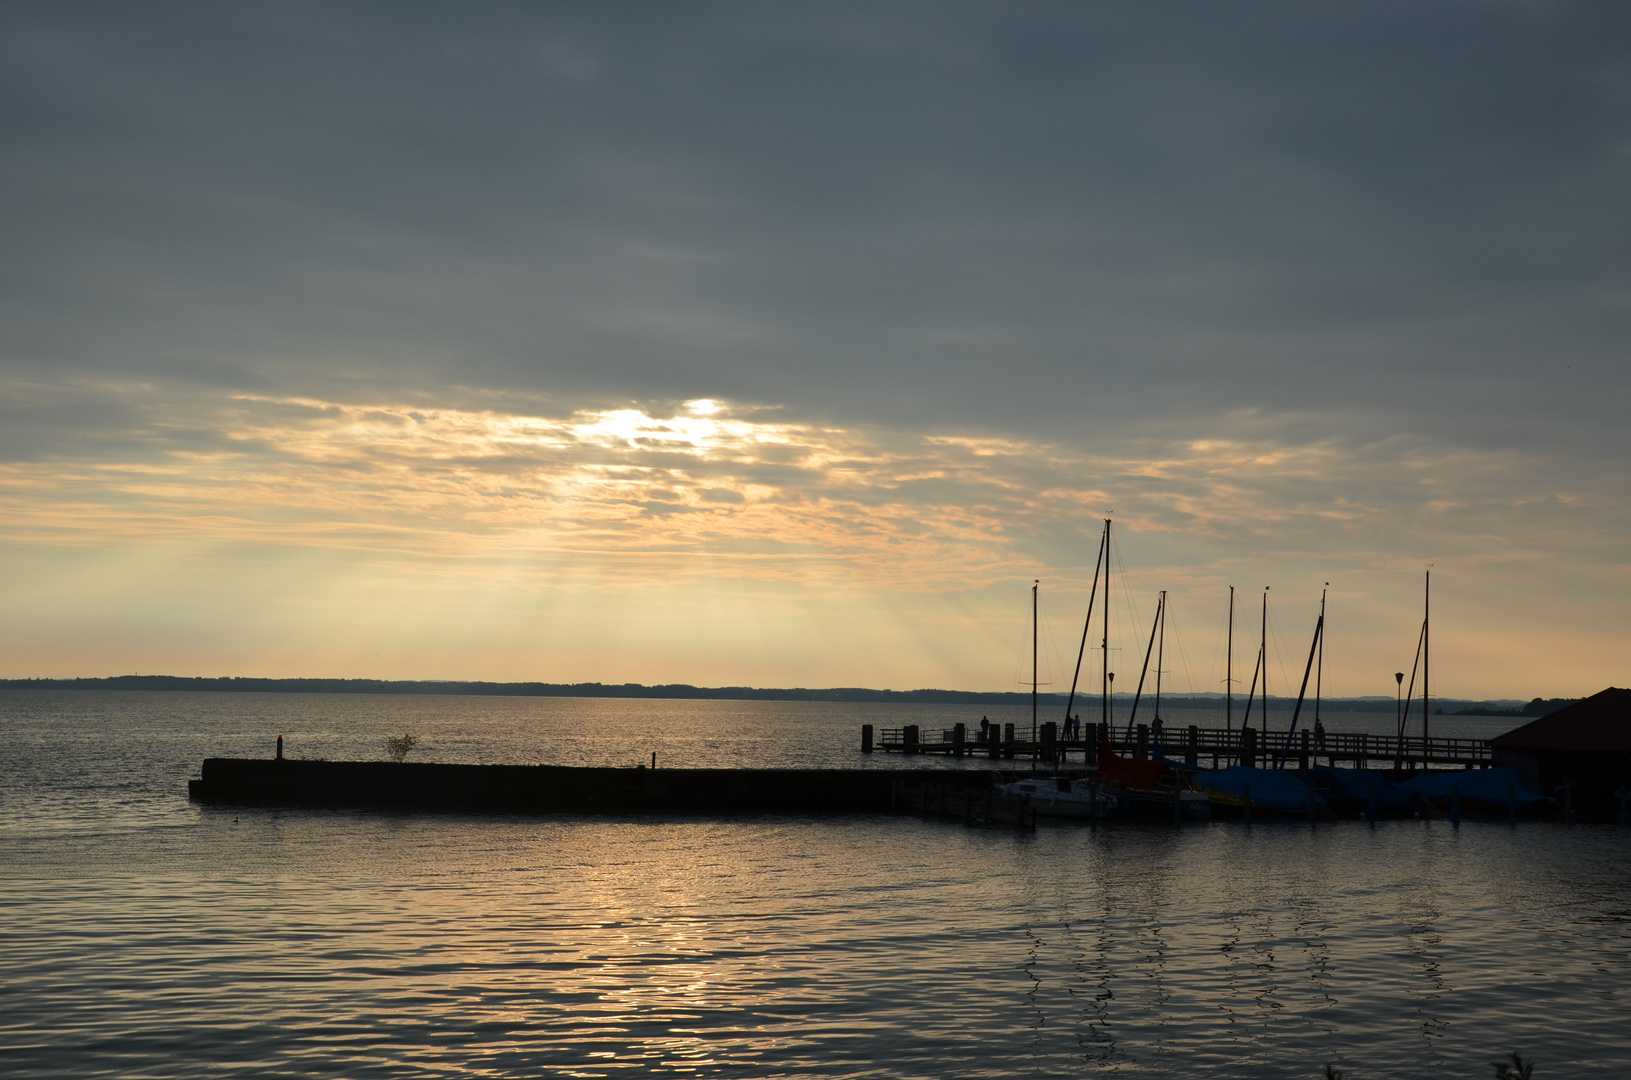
[(280, 747), (959, 734), (908, 739), (1192, 745), (1050, 740), (1019, 818), (1142, 750), (866, 738), (1302, 758), (1007, 740), (1248, 747), (993, 742)]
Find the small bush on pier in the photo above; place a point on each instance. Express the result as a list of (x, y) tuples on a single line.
[(398, 746)]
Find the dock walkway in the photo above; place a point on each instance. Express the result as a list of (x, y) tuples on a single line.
[(1192, 745)]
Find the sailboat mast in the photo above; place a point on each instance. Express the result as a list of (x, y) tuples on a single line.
[(1302, 691), (1144, 672), (1229, 669), (1263, 660), (1160, 656), (1319, 672), (1081, 650), (1426, 615), (1104, 645), (1035, 585)]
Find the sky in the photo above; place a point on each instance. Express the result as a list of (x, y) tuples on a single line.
[(789, 344)]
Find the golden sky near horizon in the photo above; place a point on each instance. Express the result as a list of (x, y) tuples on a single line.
[(296, 537)]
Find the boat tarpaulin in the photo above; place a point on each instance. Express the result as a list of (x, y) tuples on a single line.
[(1272, 789), (1355, 787), (1130, 773), (1476, 785)]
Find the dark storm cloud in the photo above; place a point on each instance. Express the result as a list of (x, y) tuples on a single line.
[(1369, 216)]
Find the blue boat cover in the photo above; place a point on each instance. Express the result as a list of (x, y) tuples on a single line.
[(1482, 785), (1272, 789), (1356, 784)]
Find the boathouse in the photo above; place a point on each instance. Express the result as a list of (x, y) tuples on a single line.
[(1586, 746)]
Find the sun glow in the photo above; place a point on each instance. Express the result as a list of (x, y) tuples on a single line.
[(366, 507)]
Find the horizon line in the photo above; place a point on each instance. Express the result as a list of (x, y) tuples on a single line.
[(679, 691)]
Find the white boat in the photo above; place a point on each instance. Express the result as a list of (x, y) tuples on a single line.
[(1061, 798)]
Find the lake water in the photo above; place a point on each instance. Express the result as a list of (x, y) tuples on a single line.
[(146, 936)]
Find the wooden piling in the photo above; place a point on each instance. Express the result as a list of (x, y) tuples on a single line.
[(959, 735), (1141, 749), (866, 738), (1192, 746)]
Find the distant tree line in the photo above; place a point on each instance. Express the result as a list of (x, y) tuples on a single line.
[(235, 684)]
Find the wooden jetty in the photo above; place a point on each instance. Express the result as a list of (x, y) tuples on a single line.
[(1192, 745)]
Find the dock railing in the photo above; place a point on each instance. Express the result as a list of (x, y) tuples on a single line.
[(1214, 747)]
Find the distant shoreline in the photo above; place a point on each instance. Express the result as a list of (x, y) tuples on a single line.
[(683, 691)]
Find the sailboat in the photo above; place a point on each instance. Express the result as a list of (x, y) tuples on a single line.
[(1247, 789), (1148, 788), (1055, 797), (1139, 787)]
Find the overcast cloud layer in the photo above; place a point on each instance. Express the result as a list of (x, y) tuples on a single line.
[(358, 339)]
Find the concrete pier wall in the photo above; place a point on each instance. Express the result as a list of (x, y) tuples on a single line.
[(545, 788)]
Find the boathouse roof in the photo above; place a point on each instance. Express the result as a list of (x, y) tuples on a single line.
[(1599, 723)]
